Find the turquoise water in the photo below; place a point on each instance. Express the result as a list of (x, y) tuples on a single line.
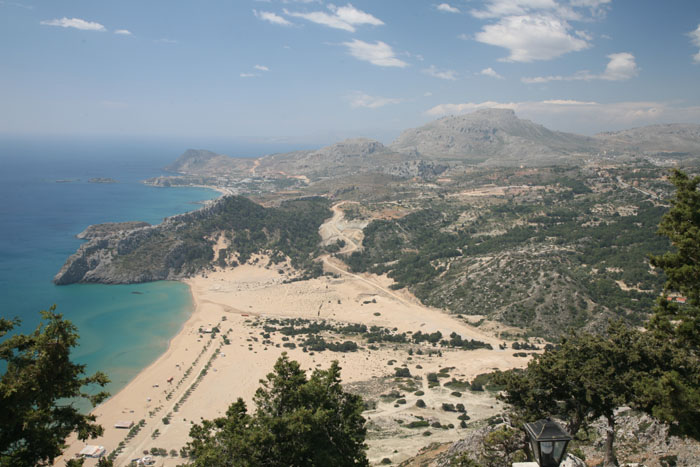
[(123, 328)]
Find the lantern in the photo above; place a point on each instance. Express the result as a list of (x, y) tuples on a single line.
[(548, 441)]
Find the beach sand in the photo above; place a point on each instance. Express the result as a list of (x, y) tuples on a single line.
[(235, 297)]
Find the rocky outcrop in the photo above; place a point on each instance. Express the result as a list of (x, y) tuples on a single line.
[(109, 229), (416, 168)]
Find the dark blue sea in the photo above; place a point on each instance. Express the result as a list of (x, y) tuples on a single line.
[(46, 201)]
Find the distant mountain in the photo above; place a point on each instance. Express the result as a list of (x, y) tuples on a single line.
[(683, 138), (493, 137)]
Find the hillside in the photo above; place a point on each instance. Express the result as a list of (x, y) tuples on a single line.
[(672, 140), (225, 233), (567, 249)]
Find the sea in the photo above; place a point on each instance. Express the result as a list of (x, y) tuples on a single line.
[(46, 200)]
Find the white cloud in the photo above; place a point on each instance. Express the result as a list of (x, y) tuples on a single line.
[(537, 29), (345, 17), (123, 32), (261, 68), (532, 37), (467, 107), (271, 17), (165, 40), (446, 7), (583, 116), (360, 99), (450, 75), (695, 39), (76, 23), (621, 67), (501, 8), (464, 37), (379, 53), (248, 75), (490, 72)]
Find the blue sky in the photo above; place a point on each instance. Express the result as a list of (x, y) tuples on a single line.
[(310, 71)]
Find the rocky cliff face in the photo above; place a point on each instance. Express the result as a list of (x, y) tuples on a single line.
[(130, 252)]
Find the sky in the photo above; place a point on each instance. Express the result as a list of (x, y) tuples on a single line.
[(315, 72)]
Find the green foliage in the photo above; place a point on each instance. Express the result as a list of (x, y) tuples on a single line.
[(674, 396), (589, 376), (418, 424), (297, 422), (416, 250), (36, 412), (503, 446), (681, 225), (288, 230)]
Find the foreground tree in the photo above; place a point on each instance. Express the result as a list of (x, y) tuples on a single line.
[(37, 392), (587, 377), (675, 397), (297, 422), (681, 224)]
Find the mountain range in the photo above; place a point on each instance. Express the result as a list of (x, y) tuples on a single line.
[(487, 137)]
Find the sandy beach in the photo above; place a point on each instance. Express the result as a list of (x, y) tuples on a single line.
[(198, 376)]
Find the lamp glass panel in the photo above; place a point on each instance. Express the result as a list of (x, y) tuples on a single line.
[(547, 453), (559, 447)]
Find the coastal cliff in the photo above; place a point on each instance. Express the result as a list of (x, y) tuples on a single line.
[(227, 231)]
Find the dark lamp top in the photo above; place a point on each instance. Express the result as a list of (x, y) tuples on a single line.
[(546, 430)]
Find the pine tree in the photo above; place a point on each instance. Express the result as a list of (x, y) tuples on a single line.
[(38, 390)]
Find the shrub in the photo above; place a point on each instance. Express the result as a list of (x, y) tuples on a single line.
[(448, 407), (418, 424)]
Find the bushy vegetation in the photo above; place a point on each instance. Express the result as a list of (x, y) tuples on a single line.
[(562, 256), (373, 334), (186, 245)]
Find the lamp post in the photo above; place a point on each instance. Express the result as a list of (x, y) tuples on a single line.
[(548, 442)]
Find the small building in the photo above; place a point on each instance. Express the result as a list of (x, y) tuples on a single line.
[(92, 451), (124, 424)]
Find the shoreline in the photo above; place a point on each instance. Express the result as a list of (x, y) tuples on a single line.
[(206, 375)]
